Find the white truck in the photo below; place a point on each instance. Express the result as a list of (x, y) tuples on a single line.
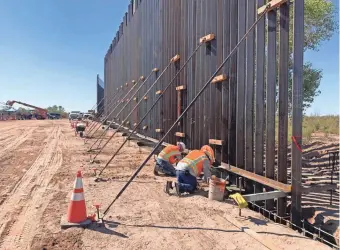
[(75, 115)]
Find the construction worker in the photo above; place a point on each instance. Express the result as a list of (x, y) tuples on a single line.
[(167, 157), (191, 167)]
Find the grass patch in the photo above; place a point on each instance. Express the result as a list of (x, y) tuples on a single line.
[(328, 124), (325, 124)]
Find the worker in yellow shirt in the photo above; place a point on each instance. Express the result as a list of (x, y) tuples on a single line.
[(191, 167), (167, 158)]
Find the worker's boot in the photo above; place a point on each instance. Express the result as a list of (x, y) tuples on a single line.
[(177, 189), (155, 170), (168, 187)]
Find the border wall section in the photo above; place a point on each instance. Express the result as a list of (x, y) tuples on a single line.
[(248, 112)]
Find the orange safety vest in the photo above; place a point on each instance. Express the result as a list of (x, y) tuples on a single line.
[(169, 154), (194, 160)]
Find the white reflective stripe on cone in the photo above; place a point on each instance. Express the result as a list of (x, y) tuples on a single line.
[(77, 197), (78, 183)]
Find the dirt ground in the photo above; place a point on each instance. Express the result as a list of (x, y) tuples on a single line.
[(39, 161)]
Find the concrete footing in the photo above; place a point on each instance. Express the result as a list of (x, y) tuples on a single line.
[(64, 224)]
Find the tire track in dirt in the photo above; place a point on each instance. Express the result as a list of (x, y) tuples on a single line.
[(16, 142), (22, 211)]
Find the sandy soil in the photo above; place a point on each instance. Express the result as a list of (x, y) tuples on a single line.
[(38, 162)]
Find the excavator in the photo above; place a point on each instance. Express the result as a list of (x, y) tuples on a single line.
[(40, 112)]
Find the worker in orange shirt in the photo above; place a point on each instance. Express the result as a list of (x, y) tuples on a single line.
[(167, 157), (191, 167)]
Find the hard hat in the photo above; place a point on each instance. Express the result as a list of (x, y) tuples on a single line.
[(209, 152), (181, 145)]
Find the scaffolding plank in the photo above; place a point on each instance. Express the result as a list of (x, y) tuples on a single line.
[(257, 178)]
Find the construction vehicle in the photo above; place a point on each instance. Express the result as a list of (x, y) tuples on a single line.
[(40, 113)]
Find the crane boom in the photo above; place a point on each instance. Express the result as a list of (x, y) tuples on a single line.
[(10, 103), (41, 111)]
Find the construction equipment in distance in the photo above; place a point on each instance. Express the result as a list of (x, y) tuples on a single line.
[(40, 112)]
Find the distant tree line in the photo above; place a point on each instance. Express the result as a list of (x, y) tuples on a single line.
[(57, 110)]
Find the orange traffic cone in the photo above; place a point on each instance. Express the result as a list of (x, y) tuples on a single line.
[(77, 207)]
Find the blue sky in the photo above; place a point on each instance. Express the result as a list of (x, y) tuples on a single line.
[(51, 52)]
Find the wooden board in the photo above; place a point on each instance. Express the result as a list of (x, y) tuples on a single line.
[(207, 38), (219, 78), (182, 87), (257, 178), (216, 142), (175, 58), (179, 134), (273, 4)]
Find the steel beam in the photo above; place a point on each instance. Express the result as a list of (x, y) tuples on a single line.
[(264, 196)]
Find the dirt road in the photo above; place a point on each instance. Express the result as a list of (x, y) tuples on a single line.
[(38, 162)]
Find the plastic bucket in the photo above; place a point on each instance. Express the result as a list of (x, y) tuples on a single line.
[(216, 189)]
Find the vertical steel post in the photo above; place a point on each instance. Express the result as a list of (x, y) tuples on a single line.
[(297, 97)]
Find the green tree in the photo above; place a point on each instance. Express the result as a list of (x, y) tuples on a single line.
[(311, 83), (320, 25), (56, 109)]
